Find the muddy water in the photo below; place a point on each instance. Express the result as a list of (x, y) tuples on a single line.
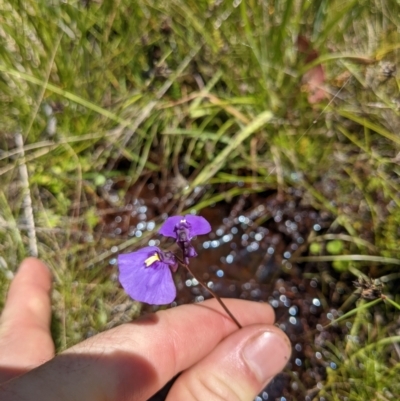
[(248, 255)]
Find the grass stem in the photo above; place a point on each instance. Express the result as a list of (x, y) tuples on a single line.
[(27, 200)]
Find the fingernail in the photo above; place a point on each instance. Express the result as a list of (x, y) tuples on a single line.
[(266, 355)]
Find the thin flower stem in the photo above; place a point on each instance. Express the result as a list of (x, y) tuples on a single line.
[(217, 297)]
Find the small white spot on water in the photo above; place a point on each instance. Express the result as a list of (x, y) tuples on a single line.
[(150, 225), (316, 302), (229, 259)]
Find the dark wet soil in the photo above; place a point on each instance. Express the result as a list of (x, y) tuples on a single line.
[(250, 254)]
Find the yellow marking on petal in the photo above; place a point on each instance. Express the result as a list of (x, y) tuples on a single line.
[(149, 261)]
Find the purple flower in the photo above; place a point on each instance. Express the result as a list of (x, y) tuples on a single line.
[(183, 229), (146, 275)]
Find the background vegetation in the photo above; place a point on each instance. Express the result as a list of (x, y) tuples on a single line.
[(212, 99)]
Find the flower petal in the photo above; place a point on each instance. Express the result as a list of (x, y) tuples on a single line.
[(199, 225), (153, 284), (168, 227)]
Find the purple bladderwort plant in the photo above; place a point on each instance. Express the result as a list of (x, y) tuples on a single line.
[(146, 275)]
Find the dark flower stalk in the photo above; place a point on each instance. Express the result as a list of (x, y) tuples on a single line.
[(217, 297), (146, 275)]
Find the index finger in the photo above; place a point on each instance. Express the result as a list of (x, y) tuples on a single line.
[(134, 361), (25, 339)]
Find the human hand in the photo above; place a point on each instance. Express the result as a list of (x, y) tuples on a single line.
[(133, 361)]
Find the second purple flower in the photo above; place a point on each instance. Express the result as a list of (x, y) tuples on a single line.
[(183, 229)]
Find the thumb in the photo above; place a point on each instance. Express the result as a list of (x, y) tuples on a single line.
[(237, 369)]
